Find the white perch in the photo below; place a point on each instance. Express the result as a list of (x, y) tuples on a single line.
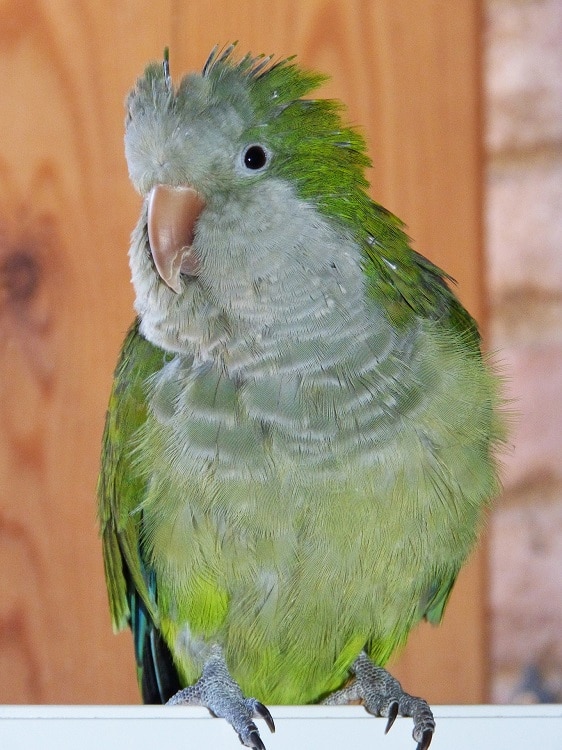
[(298, 728)]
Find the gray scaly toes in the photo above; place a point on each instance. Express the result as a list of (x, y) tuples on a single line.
[(217, 691), (382, 695)]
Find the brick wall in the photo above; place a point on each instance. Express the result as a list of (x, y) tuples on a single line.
[(523, 83)]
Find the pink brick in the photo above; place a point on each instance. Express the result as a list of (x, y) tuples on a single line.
[(526, 585), (523, 73), (534, 382), (524, 225), (523, 89)]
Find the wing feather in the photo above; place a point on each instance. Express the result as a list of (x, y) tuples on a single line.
[(130, 582)]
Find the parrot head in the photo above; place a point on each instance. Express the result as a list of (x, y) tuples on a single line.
[(244, 183)]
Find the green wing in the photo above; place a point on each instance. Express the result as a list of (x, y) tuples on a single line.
[(405, 282), (432, 606), (129, 579)]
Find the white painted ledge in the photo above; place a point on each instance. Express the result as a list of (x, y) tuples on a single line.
[(298, 728)]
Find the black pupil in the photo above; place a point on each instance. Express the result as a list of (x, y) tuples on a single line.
[(255, 157)]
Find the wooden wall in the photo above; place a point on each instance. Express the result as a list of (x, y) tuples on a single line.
[(408, 73)]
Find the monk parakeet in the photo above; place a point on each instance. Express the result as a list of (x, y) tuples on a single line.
[(299, 443)]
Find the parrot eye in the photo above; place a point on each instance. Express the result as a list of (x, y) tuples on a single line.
[(255, 157)]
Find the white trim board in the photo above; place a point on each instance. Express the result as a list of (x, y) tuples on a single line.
[(298, 728)]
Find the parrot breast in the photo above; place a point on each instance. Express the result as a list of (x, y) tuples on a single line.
[(312, 472)]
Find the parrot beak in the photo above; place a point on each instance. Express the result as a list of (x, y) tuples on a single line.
[(172, 215)]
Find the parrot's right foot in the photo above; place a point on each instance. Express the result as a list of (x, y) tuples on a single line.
[(382, 695), (217, 691)]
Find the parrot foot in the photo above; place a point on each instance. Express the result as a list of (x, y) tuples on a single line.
[(217, 691), (382, 695)]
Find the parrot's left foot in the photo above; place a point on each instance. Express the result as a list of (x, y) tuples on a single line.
[(382, 695), (217, 691)]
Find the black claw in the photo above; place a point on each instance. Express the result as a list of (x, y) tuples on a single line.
[(263, 711), (392, 714), (255, 740), (425, 741)]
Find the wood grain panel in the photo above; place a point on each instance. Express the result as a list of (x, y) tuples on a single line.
[(66, 211)]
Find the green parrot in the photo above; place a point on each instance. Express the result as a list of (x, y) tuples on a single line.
[(299, 445)]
